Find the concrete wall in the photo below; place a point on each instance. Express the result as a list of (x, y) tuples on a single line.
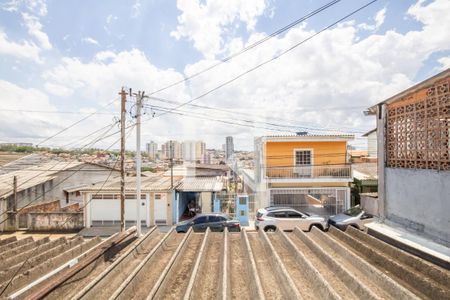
[(419, 200), (369, 204), (59, 221)]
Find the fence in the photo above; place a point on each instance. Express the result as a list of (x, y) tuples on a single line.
[(326, 171), (320, 201)]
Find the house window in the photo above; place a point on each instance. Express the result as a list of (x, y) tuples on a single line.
[(302, 157)]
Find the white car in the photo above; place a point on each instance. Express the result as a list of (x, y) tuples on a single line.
[(286, 218)]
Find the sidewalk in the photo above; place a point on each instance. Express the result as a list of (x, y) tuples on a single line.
[(412, 243)]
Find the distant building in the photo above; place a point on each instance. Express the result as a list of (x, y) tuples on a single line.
[(371, 143), (172, 151), (193, 150), (152, 150), (229, 147)]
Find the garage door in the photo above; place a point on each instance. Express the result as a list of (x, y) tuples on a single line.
[(160, 208), (107, 211)]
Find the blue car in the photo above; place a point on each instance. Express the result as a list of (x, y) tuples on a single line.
[(215, 221)]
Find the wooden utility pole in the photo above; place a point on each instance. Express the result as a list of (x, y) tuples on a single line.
[(123, 100)]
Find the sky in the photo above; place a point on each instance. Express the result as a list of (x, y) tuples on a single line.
[(66, 60)]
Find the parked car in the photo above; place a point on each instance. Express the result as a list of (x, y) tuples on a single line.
[(286, 218), (215, 221), (354, 216)]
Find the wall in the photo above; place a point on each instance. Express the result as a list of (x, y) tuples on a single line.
[(87, 175), (369, 204), (55, 221), (42, 207), (419, 200), (333, 152)]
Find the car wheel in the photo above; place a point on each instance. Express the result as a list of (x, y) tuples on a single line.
[(270, 229), (315, 225)]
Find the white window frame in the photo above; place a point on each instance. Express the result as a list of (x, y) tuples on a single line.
[(301, 169), (303, 149)]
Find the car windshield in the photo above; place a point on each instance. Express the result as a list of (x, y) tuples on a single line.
[(353, 212)]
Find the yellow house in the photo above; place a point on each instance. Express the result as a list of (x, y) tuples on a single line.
[(309, 172)]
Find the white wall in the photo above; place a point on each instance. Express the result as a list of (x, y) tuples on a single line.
[(420, 200), (372, 144)]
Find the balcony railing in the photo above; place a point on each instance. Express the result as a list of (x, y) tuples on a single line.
[(324, 171)]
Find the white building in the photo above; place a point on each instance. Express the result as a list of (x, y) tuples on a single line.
[(371, 143), (229, 147), (193, 150), (152, 150), (172, 149)]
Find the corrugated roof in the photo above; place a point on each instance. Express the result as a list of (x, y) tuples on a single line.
[(365, 171), (201, 184), (148, 184), (32, 176)]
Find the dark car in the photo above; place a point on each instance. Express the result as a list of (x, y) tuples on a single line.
[(215, 221)]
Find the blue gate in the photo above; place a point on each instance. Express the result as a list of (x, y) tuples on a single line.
[(241, 204)]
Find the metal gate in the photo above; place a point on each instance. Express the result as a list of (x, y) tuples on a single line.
[(320, 201)]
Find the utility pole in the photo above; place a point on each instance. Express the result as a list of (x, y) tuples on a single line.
[(171, 153), (139, 97), (123, 100)]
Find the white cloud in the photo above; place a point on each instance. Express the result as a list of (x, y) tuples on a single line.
[(136, 9), (89, 40), (445, 63), (35, 30), (24, 49), (110, 19), (327, 82), (205, 24), (38, 7), (31, 11), (379, 18), (23, 125)]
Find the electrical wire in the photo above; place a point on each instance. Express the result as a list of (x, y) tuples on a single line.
[(59, 183), (67, 219), (249, 47), (253, 114), (267, 61), (75, 123)]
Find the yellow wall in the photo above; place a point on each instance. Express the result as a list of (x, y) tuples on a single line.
[(281, 154)]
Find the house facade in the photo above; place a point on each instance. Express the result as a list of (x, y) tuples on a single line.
[(45, 182), (413, 129), (308, 172)]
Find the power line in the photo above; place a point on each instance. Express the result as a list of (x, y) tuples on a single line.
[(66, 178), (247, 123), (76, 123), (295, 126), (268, 61), (55, 112), (257, 43)]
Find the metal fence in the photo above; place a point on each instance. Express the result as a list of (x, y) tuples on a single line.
[(227, 204), (320, 201)]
